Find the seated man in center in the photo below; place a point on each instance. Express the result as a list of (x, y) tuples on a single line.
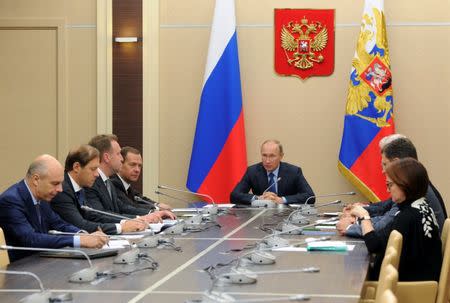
[(271, 179)]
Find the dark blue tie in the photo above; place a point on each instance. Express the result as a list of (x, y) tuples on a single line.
[(272, 187), (38, 212), (81, 197)]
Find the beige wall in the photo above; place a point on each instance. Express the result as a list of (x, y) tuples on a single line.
[(47, 82), (306, 116)]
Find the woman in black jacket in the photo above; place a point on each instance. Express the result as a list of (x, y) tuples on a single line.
[(421, 256)]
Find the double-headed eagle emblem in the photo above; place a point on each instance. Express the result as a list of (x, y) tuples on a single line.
[(306, 41)]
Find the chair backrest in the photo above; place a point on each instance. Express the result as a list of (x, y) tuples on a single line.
[(390, 257), (4, 258), (388, 280), (396, 242), (444, 278), (444, 234), (388, 296)]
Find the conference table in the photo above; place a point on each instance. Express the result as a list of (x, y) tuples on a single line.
[(180, 276)]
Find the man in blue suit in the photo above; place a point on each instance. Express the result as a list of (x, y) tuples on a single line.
[(272, 179), (26, 217)]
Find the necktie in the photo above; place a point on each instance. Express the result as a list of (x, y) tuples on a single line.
[(272, 185), (81, 197), (109, 188), (130, 193), (38, 212)]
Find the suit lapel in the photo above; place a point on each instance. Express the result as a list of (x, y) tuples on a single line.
[(30, 207), (262, 178), (283, 181)]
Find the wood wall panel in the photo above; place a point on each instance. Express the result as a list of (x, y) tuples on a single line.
[(127, 74)]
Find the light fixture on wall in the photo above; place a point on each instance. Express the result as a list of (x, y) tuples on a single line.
[(126, 39)]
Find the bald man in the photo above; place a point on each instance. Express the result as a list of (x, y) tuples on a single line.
[(26, 216)]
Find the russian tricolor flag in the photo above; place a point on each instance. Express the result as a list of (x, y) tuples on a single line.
[(219, 158)]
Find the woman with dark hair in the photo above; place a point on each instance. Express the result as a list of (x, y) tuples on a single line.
[(421, 257)]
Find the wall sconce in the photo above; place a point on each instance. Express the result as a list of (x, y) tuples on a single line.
[(126, 39)]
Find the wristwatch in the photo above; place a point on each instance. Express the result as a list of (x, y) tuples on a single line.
[(363, 218)]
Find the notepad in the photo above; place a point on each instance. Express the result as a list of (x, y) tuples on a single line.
[(327, 246)]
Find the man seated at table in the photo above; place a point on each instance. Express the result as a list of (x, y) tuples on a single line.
[(271, 179), (103, 194), (392, 147), (26, 217), (81, 172), (128, 174)]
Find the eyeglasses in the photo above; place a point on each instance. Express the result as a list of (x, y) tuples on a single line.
[(389, 184)]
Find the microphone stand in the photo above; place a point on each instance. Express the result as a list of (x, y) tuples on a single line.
[(42, 296), (197, 219), (211, 210), (85, 275)]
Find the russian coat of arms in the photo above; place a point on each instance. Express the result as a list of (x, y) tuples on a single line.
[(304, 42)]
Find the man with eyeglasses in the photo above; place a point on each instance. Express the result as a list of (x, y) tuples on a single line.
[(272, 179), (382, 213)]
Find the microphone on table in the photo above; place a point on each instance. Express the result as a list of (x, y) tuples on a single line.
[(244, 276), (297, 216), (132, 256), (274, 241), (42, 296), (266, 203), (308, 209), (138, 199), (85, 275), (211, 210), (197, 219), (114, 215)]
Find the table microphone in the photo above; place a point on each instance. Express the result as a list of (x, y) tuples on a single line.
[(297, 216), (212, 210), (42, 296), (274, 241), (114, 215), (138, 199), (266, 203), (244, 276), (85, 275), (132, 256), (197, 219)]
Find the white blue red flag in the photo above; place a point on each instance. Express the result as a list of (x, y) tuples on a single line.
[(369, 110), (219, 157)]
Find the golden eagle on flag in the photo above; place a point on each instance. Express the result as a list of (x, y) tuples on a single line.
[(369, 108)]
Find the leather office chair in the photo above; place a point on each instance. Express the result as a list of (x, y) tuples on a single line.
[(430, 291), (391, 256), (4, 258), (388, 281), (388, 297), (370, 288)]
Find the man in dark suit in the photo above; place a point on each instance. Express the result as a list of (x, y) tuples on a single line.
[(272, 179), (103, 195), (128, 174), (26, 218), (81, 171)]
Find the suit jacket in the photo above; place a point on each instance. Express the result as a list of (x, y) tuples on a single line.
[(292, 185), (98, 198), (20, 222), (128, 197), (66, 205)]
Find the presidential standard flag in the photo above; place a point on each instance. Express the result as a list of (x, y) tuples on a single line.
[(369, 110), (219, 157)]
